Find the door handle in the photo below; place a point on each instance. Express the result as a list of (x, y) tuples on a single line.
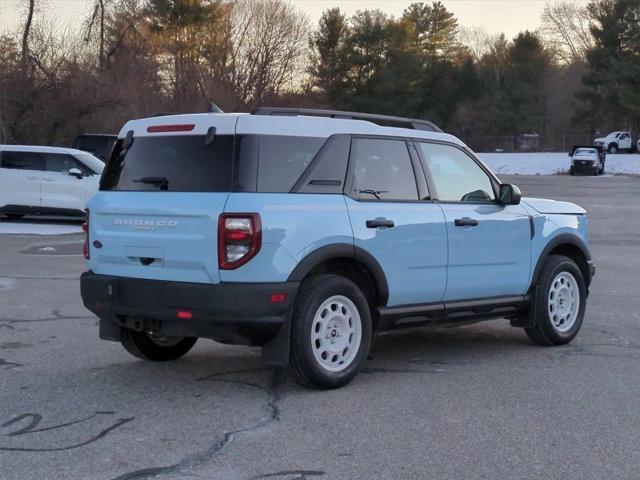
[(32, 178), (49, 179), (380, 222), (465, 222)]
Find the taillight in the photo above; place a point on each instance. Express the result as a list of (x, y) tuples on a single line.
[(85, 229), (239, 239)]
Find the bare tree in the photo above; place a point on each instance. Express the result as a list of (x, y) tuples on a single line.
[(268, 44), (477, 40), (566, 30), (25, 34), (97, 17)]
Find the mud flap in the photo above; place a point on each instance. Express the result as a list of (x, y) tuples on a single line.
[(109, 331), (526, 318), (276, 352)]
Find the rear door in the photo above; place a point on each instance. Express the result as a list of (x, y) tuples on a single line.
[(21, 178), (489, 243), (394, 219), (156, 215), (59, 189)]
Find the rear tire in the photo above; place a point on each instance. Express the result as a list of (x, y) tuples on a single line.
[(15, 216), (141, 345), (560, 297), (330, 332)]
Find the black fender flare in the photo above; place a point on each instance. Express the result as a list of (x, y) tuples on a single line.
[(344, 250), (563, 239)]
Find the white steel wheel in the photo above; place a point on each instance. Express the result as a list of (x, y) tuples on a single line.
[(336, 333), (563, 302)]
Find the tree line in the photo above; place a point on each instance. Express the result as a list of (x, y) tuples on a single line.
[(578, 73)]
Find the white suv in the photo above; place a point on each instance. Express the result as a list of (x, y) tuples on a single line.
[(46, 180)]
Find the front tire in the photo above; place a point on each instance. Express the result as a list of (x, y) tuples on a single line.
[(156, 349), (330, 332), (560, 297), (613, 149)]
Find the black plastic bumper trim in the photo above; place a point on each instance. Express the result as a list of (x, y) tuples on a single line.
[(229, 312)]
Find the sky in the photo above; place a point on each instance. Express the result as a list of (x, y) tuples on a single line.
[(496, 16)]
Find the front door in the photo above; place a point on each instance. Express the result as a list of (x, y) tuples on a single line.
[(489, 243), (394, 219), (59, 189)]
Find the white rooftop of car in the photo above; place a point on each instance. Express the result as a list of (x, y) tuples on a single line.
[(91, 160), (293, 125), (41, 149)]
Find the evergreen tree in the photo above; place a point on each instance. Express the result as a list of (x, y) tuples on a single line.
[(611, 96), (328, 66)]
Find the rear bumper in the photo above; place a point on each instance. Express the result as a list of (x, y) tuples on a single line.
[(237, 313)]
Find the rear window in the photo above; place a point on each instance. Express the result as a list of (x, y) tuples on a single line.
[(181, 163), (585, 151)]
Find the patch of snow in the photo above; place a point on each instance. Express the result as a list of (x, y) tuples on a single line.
[(26, 228), (552, 163)]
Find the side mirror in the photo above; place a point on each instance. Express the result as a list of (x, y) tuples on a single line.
[(75, 172), (510, 194)]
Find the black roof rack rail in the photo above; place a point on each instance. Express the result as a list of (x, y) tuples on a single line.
[(382, 120)]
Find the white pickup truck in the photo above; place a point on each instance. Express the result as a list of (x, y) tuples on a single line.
[(615, 142)]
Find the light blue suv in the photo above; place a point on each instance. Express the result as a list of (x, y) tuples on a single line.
[(306, 232)]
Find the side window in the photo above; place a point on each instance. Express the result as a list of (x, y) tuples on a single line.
[(23, 160), (457, 177), (282, 159), (382, 170), (60, 163)]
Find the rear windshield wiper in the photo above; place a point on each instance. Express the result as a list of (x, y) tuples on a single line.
[(375, 193), (161, 182)]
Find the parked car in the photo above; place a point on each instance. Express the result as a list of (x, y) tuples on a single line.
[(306, 232), (587, 159), (46, 180), (98, 144), (614, 142)]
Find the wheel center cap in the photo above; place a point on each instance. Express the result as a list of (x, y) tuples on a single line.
[(334, 332)]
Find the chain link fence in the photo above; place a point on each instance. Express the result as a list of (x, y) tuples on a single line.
[(527, 143)]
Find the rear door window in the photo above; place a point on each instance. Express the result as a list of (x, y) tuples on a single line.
[(179, 163), (23, 160), (382, 170)]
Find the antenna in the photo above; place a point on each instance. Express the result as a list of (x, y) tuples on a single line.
[(211, 107)]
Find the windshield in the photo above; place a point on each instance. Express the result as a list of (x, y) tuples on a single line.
[(171, 163), (585, 151), (94, 163)]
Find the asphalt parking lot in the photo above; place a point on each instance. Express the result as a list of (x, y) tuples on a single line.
[(476, 402)]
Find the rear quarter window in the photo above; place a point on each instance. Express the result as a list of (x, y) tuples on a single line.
[(283, 159)]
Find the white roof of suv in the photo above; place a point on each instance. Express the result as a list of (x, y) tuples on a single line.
[(293, 125)]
